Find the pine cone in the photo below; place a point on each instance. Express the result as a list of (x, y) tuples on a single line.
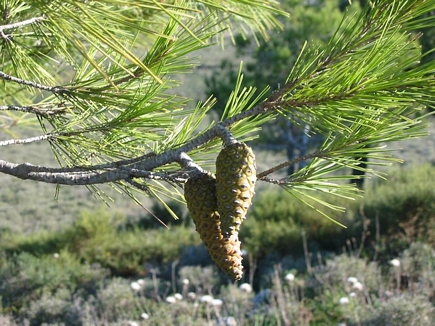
[(235, 177), (200, 195)]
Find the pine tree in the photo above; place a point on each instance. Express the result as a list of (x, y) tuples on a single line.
[(99, 78)]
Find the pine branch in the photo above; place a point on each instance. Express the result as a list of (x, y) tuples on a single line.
[(8, 38), (26, 22), (81, 175), (52, 89), (139, 167), (364, 89), (44, 112), (263, 175), (25, 141)]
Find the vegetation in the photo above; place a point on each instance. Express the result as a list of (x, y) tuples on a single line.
[(103, 271)]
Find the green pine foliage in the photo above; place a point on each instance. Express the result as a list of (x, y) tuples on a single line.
[(268, 64), (100, 79)]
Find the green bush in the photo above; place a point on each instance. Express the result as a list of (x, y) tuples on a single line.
[(402, 208), (397, 311), (116, 300), (25, 277), (277, 220), (89, 225), (126, 252), (97, 238), (52, 308), (336, 271)]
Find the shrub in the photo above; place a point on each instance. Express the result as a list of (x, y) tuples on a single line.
[(126, 252), (53, 308), (400, 310), (116, 300), (24, 277), (96, 238), (336, 271), (277, 221), (404, 205), (201, 279)]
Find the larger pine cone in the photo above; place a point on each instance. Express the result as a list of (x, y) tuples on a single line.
[(200, 195), (236, 177)]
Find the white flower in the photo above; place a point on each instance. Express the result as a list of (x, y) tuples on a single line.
[(245, 287), (230, 321), (343, 300), (358, 286), (395, 262), (132, 323), (389, 293), (206, 299), (186, 281), (352, 294), (191, 295), (352, 279), (289, 277), (170, 299), (56, 255), (217, 302), (178, 296), (140, 282), (135, 286), (145, 316)]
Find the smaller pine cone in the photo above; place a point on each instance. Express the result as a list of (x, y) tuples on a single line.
[(200, 195), (235, 177)]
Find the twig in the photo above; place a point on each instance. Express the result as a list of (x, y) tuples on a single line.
[(278, 167), (32, 109), (49, 136), (22, 23), (306, 253), (177, 177), (72, 176), (279, 182), (226, 136), (53, 89), (5, 37), (139, 186), (8, 37), (188, 164), (25, 140)]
